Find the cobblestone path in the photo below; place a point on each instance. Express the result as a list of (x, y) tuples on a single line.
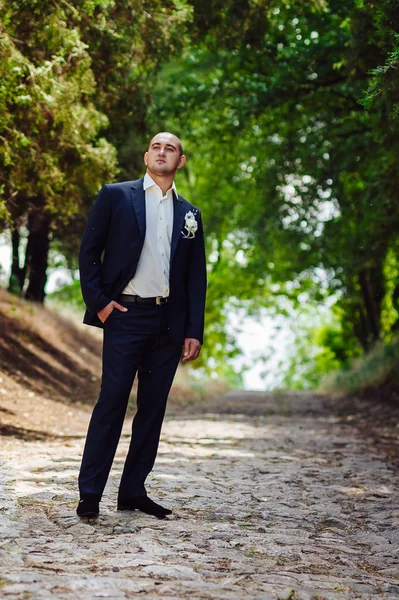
[(273, 498)]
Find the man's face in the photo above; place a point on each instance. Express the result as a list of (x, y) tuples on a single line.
[(163, 155)]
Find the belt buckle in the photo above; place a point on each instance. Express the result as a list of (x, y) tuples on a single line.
[(159, 299)]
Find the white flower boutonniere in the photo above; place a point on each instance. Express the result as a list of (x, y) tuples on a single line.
[(190, 225)]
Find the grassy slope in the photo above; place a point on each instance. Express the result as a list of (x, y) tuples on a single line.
[(375, 374), (49, 368)]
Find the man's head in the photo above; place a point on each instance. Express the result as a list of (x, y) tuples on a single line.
[(164, 155)]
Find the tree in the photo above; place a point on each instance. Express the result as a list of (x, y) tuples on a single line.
[(290, 168), (52, 154), (74, 92)]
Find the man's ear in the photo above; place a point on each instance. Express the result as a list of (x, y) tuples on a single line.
[(145, 158), (182, 161)]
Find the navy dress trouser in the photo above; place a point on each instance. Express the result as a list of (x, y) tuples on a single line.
[(134, 342)]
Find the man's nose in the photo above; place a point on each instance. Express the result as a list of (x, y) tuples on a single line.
[(162, 150)]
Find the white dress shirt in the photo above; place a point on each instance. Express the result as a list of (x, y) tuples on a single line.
[(152, 274)]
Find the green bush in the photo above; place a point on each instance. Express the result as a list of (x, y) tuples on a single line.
[(68, 297), (374, 370)]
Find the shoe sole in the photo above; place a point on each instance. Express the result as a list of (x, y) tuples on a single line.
[(128, 508)]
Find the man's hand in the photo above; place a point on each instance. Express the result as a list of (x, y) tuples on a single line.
[(192, 348), (107, 310)]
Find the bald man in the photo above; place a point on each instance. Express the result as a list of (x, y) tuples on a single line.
[(143, 278)]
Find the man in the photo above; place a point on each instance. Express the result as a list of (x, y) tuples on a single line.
[(143, 278)]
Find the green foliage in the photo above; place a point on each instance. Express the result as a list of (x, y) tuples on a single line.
[(128, 42), (80, 72), (383, 91), (288, 166), (51, 150), (4, 214), (390, 303), (321, 345), (377, 369), (75, 81), (69, 297)]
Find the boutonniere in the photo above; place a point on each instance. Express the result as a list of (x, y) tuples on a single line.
[(190, 225)]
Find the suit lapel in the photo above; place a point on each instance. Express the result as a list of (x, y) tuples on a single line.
[(178, 219), (138, 201)]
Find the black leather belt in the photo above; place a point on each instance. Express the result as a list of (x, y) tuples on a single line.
[(130, 299)]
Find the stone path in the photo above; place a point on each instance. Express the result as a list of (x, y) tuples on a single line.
[(273, 498)]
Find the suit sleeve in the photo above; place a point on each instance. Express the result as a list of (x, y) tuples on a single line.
[(197, 282), (91, 248)]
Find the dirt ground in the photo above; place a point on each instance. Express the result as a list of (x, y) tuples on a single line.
[(289, 496)]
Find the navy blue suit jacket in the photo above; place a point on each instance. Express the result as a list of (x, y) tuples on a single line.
[(111, 247)]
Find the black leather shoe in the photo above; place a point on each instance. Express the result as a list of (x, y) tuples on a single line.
[(89, 506), (145, 505)]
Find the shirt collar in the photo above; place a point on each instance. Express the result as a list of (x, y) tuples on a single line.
[(149, 182)]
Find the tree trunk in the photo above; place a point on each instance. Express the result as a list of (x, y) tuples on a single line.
[(17, 276), (372, 303), (361, 328), (37, 249)]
